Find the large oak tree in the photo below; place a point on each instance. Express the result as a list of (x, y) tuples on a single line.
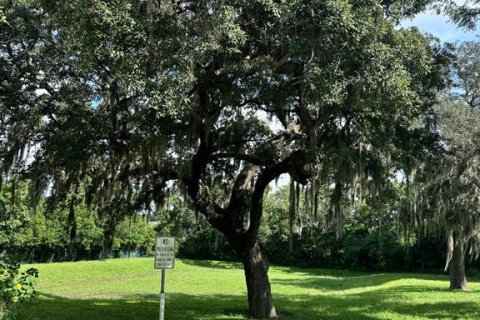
[(221, 97)]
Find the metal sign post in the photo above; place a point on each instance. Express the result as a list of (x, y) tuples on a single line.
[(164, 259), (162, 296)]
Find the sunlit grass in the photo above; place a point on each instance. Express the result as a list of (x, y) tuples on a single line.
[(128, 290)]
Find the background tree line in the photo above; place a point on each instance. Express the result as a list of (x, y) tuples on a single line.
[(374, 236), (46, 234)]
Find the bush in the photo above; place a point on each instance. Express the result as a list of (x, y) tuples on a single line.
[(15, 286), (134, 235)]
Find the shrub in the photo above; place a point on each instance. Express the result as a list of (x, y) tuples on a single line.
[(15, 286)]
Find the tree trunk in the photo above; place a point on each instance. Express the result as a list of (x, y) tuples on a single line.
[(72, 230), (260, 302), (246, 201), (458, 281), (216, 244), (291, 216), (107, 243)]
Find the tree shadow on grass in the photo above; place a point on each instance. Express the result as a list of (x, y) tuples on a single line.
[(329, 283), (377, 304), (324, 279), (373, 306), (330, 302), (134, 307)]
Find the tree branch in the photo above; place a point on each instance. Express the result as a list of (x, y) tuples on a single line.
[(295, 161)]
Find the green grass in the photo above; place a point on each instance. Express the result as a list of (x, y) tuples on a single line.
[(128, 290)]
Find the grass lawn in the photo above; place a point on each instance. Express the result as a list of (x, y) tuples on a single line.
[(127, 289)]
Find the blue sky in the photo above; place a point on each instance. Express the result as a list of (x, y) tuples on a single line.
[(441, 27)]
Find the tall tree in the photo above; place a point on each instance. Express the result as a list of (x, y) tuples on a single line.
[(459, 124), (454, 191), (224, 93), (448, 189)]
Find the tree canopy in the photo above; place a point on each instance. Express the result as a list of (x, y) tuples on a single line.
[(221, 97)]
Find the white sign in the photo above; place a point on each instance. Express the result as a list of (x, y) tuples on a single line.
[(165, 253)]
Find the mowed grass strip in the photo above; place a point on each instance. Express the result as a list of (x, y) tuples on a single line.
[(127, 289)]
